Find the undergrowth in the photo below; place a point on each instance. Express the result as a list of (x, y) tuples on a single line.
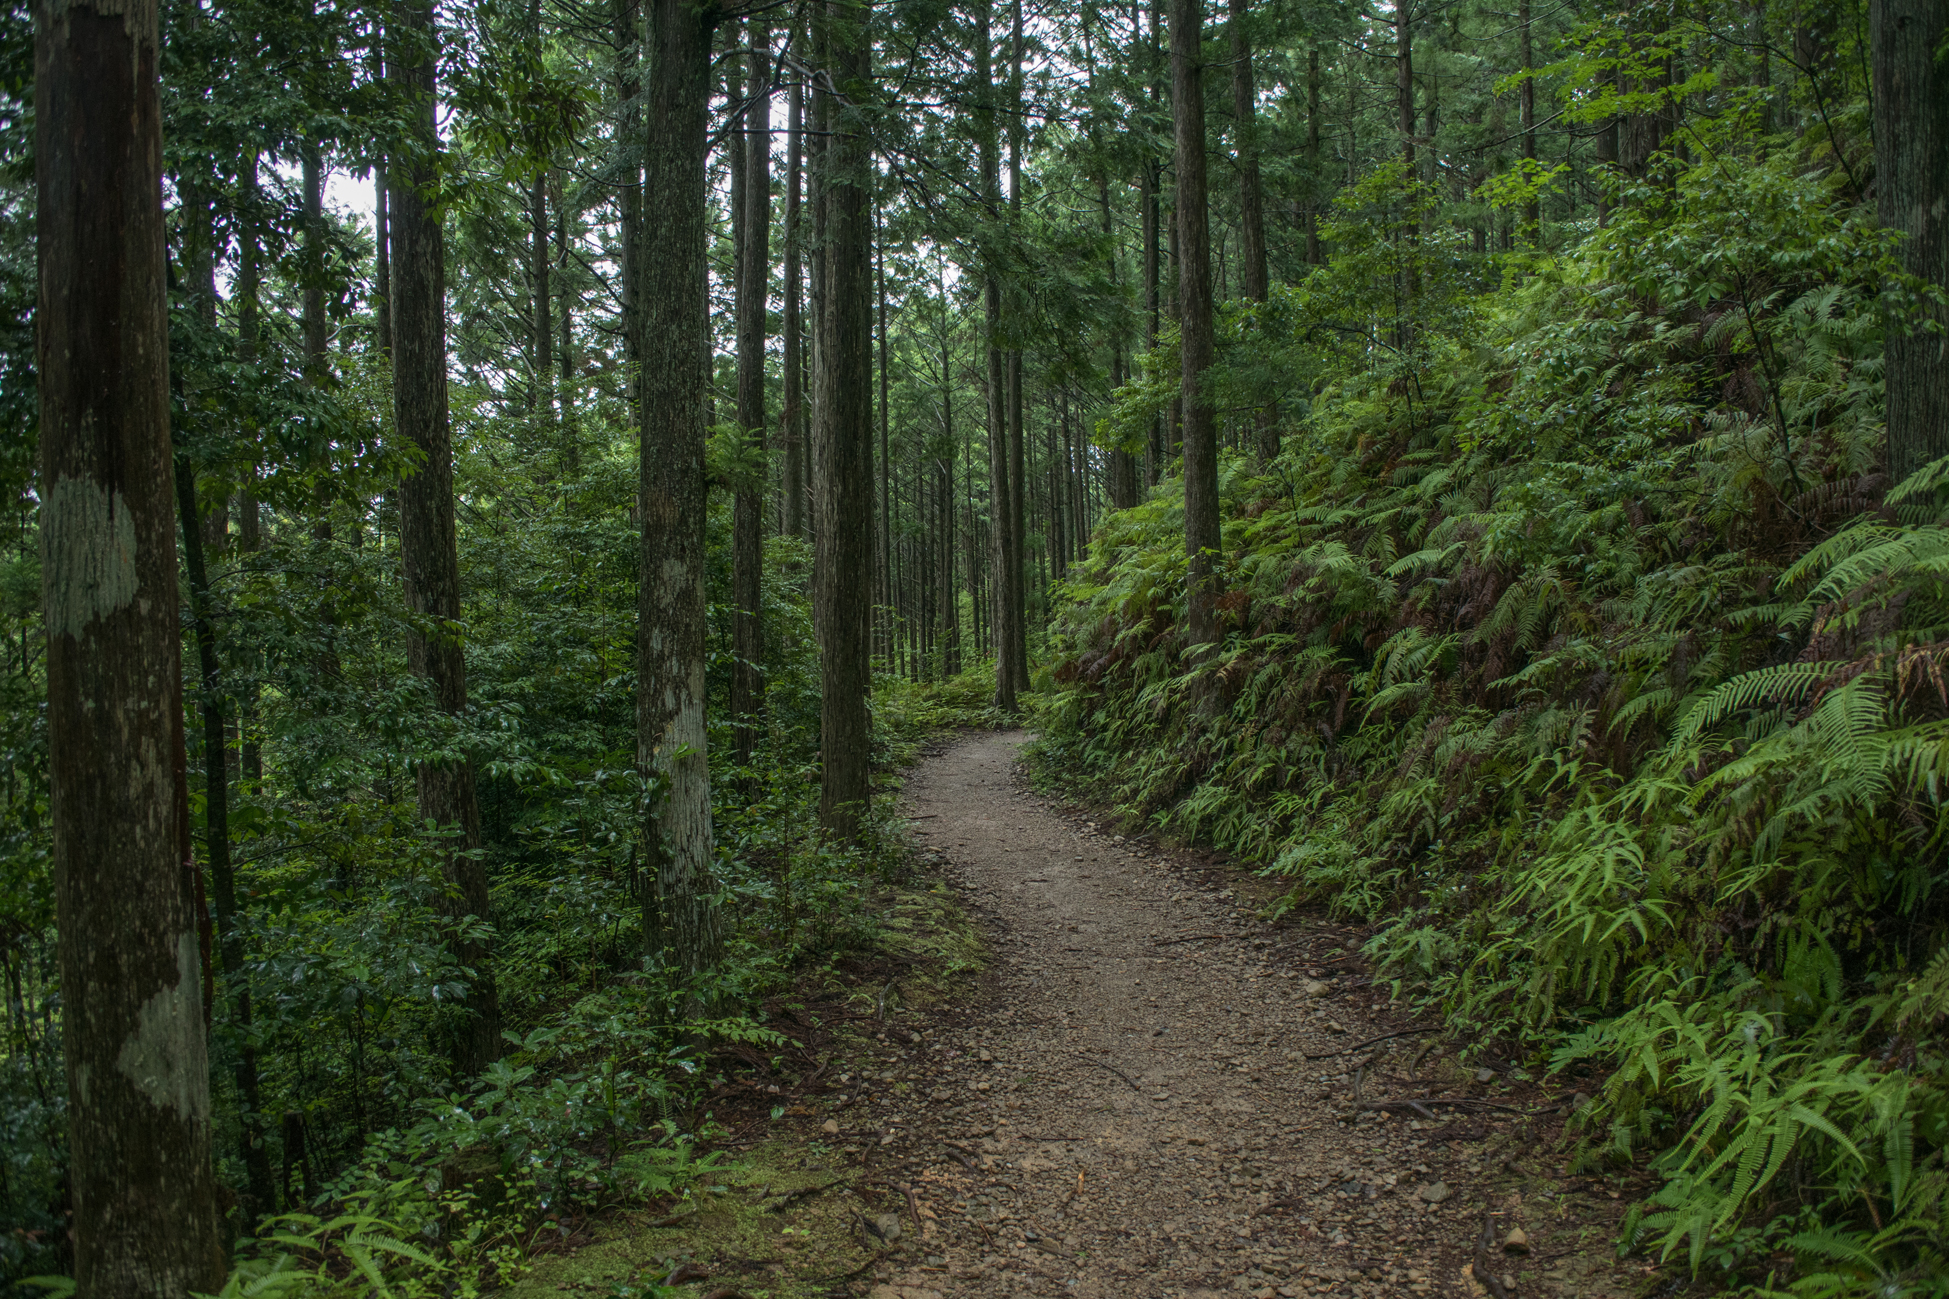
[(1577, 643)]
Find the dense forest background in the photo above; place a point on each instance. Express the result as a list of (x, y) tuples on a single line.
[(1483, 466)]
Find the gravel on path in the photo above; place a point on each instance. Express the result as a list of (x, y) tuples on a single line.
[(1134, 1112)]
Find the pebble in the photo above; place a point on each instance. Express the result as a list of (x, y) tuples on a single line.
[(1435, 1192)]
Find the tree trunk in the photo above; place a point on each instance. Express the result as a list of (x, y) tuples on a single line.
[(747, 510), (1254, 278), (1313, 178), (1018, 648), (886, 419), (1000, 497), (126, 891), (1153, 311), (260, 1191), (428, 547), (1122, 464), (792, 417), (1201, 526), (629, 195), (1911, 179), (670, 690), (1532, 211), (543, 371), (842, 436)]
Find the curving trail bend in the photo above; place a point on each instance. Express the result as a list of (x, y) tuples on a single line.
[(1137, 1110)]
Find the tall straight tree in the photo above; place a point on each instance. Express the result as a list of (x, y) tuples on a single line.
[(1254, 279), (670, 690), (132, 968), (1201, 527), (1002, 499), (753, 301), (791, 418), (1911, 84), (1015, 652), (429, 550), (842, 425)]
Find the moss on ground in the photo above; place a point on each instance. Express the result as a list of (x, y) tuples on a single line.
[(781, 1219)]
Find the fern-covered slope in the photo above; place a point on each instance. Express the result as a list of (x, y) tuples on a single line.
[(1577, 643)]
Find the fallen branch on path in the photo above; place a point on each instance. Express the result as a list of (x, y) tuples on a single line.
[(1113, 1069), (1453, 1102), (1385, 1037)]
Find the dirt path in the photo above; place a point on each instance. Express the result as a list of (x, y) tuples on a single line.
[(1134, 1113)]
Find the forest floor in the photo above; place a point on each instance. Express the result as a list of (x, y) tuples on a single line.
[(1154, 1093)]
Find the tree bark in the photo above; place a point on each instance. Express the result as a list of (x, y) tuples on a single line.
[(670, 692), (1532, 211), (260, 1191), (1018, 579), (842, 433), (747, 509), (792, 417), (1201, 524), (1313, 178), (1911, 83), (1254, 278), (1001, 499), (885, 551), (1121, 463), (542, 373), (428, 545), (629, 194), (126, 892)]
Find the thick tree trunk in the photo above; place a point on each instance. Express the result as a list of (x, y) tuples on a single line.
[(1201, 525), (842, 436), (670, 691), (1912, 188), (126, 892), (747, 509), (428, 545)]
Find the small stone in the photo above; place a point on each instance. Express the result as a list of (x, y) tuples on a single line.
[(1485, 1075), (830, 1127), (1435, 1192), (1313, 988), (1516, 1242)]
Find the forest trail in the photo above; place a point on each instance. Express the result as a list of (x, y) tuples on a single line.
[(1136, 1109)]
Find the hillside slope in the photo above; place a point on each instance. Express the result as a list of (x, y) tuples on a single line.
[(1576, 642)]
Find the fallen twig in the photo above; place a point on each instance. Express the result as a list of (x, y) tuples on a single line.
[(802, 1192), (1358, 1046), (1485, 1262), (1113, 1069), (1453, 1102), (1194, 938)]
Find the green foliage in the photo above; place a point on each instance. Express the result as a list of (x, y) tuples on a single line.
[(1576, 644)]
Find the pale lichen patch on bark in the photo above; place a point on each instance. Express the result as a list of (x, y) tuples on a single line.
[(88, 558), (164, 1056)]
